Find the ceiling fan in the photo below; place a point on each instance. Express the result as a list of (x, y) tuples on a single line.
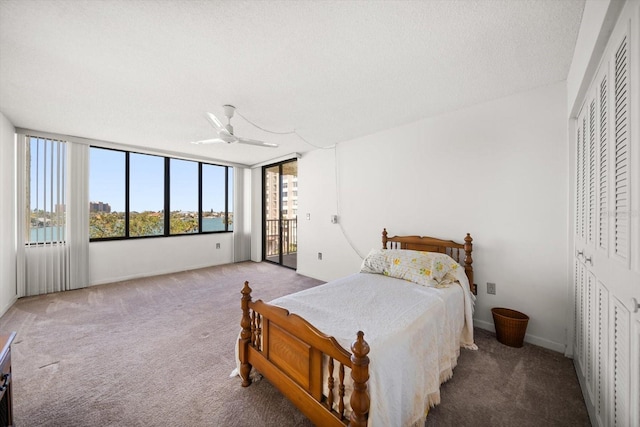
[(225, 132)]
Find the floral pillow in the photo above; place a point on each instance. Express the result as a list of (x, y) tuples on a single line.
[(424, 268)]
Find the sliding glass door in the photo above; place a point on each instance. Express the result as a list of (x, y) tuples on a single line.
[(280, 213)]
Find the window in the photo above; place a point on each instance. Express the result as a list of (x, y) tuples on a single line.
[(183, 196), (46, 192), (213, 198), (131, 193), (107, 186), (146, 195)]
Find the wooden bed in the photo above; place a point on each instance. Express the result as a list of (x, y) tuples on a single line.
[(303, 362)]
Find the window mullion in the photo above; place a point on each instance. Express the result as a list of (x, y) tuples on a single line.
[(199, 197), (167, 197), (126, 194), (226, 198)]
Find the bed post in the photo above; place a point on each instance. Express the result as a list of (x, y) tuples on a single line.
[(384, 238), (468, 247), (245, 336), (360, 375)]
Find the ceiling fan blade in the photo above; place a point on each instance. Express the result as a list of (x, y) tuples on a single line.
[(208, 141), (225, 133), (257, 143), (215, 122)]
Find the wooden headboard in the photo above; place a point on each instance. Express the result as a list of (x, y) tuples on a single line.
[(431, 244)]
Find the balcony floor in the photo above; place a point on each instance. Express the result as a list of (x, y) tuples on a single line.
[(289, 260)]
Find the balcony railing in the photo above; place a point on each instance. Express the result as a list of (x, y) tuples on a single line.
[(289, 236)]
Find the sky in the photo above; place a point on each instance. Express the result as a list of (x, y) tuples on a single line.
[(107, 182)]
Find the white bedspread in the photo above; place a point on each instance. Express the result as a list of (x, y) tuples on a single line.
[(414, 334)]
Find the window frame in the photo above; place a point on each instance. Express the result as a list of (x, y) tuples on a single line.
[(167, 198)]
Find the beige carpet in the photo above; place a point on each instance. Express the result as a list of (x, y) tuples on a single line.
[(158, 352)]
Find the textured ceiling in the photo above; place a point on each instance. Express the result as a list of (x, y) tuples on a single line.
[(144, 73)]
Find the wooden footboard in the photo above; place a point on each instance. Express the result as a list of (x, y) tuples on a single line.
[(289, 352)]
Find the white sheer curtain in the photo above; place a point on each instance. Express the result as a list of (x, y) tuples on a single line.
[(78, 215), (53, 203)]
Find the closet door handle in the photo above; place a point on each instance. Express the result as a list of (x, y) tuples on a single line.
[(579, 253), (588, 260), (635, 305)]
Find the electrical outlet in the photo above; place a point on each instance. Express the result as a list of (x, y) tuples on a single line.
[(217, 245), (319, 256), (491, 288)]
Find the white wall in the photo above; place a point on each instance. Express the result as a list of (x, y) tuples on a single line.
[(497, 170), (7, 215), (242, 214), (317, 198), (113, 261), (256, 214)]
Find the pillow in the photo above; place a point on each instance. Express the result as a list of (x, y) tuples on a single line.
[(376, 262), (423, 268)]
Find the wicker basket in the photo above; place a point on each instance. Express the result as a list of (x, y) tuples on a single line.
[(510, 325)]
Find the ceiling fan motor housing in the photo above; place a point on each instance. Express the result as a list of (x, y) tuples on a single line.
[(229, 110)]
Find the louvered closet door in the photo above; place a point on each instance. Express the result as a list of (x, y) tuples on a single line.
[(607, 232)]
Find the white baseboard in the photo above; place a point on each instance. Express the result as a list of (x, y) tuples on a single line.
[(531, 339), (8, 305)]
